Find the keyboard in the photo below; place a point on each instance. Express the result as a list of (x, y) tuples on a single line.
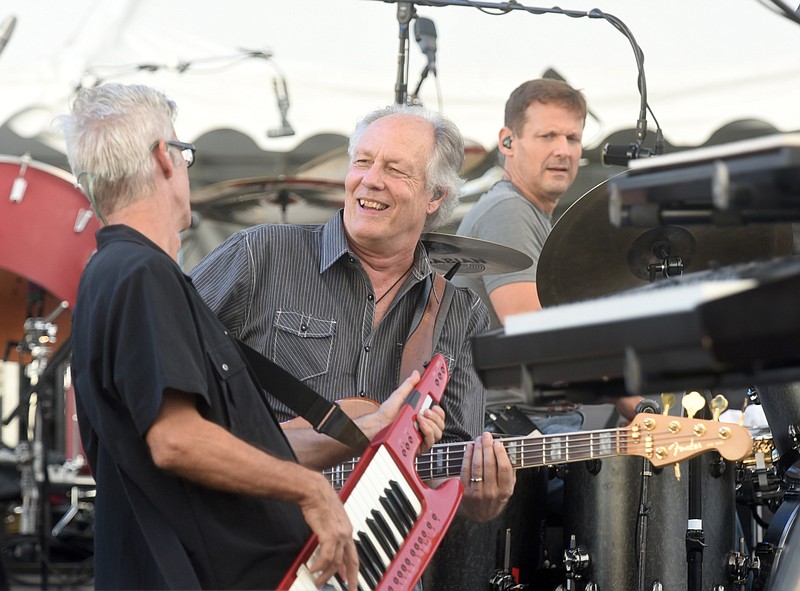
[(724, 326)]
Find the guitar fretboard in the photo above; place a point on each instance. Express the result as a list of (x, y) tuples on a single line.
[(445, 460)]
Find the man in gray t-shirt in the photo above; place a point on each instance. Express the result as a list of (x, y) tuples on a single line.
[(540, 147)]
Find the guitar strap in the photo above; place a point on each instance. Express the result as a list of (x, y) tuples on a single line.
[(418, 349), (325, 416)]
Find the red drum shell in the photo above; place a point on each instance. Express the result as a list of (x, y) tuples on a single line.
[(39, 239), (46, 239)]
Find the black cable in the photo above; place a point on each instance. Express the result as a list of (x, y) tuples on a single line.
[(504, 8), (784, 10)]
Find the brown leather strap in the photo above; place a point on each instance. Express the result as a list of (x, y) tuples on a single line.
[(419, 345)]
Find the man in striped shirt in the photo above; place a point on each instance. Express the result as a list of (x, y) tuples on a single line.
[(334, 303)]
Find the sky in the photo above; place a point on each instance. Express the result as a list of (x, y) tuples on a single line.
[(707, 62)]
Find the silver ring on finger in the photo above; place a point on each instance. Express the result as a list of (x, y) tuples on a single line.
[(475, 480)]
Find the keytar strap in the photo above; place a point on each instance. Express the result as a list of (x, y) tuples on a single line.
[(325, 416)]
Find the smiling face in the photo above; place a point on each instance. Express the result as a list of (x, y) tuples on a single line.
[(386, 201), (543, 159)]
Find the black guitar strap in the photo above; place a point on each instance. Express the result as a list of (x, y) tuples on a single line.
[(325, 416)]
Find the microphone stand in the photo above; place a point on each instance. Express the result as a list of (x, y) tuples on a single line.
[(415, 94), (405, 12)]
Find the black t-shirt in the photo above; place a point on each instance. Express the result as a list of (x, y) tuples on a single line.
[(139, 328)]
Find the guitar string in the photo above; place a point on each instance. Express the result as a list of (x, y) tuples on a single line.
[(576, 443), (452, 454)]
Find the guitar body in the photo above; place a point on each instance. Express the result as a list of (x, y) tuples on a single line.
[(352, 407)]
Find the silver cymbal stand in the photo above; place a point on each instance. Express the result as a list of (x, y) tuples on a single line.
[(40, 334)]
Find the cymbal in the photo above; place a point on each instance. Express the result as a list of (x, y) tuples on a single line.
[(475, 256), (587, 257), (259, 200)]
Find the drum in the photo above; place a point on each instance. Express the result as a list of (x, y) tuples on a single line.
[(602, 504), (472, 554), (47, 230), (47, 225), (778, 553)]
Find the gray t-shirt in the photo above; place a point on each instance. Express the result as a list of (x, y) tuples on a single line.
[(503, 216)]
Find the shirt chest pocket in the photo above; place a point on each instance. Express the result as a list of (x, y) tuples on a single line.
[(302, 344)]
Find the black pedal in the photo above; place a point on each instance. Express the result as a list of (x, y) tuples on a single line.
[(510, 420)]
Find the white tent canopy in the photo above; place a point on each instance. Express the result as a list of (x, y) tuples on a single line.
[(707, 62)]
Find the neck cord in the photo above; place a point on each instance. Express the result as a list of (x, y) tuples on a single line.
[(385, 293)]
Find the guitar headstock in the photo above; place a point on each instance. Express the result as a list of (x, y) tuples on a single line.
[(664, 440)]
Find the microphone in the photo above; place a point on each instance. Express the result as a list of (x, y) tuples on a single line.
[(6, 29), (425, 32), (282, 97), (621, 154)]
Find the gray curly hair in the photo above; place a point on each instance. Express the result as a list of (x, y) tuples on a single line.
[(443, 175), (109, 134)]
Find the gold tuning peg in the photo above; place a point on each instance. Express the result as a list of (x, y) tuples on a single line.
[(692, 403), (719, 404), (667, 401)]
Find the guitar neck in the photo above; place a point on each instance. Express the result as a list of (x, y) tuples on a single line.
[(661, 439), (445, 460)]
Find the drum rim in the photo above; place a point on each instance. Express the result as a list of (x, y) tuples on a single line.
[(43, 166)]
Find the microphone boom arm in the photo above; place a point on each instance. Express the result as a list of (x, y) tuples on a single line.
[(506, 7)]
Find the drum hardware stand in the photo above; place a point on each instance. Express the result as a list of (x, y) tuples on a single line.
[(693, 403), (740, 565), (768, 551), (649, 406), (40, 334), (576, 561), (503, 579), (643, 522), (75, 506), (20, 184), (668, 267)]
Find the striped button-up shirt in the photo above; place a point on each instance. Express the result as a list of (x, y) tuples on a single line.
[(299, 295)]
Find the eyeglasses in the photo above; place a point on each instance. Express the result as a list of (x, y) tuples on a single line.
[(187, 150)]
